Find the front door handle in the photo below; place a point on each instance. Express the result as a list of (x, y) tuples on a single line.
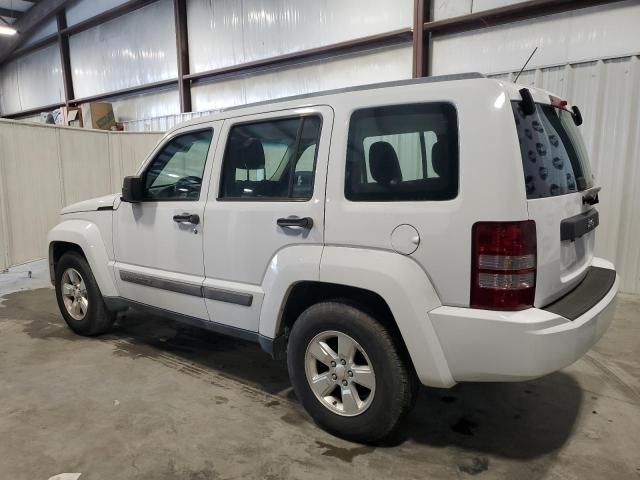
[(187, 218), (304, 222)]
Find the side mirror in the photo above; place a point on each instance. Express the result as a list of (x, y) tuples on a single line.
[(132, 190)]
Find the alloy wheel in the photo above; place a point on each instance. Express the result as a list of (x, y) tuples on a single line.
[(340, 373), (74, 294)]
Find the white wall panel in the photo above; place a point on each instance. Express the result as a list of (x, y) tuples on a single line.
[(43, 168), (480, 5), (9, 94), (32, 81), (587, 34), (608, 94), (229, 32), (84, 9), (442, 9), (4, 211), (33, 189), (31, 118), (128, 151), (454, 8), (4, 263), (161, 124), (131, 50), (86, 169), (377, 66), (146, 105)]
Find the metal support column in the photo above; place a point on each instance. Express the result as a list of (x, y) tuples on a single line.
[(182, 44)]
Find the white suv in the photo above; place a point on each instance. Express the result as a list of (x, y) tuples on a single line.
[(438, 230)]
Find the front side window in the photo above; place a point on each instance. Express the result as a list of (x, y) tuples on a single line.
[(176, 172), (273, 159), (402, 153), (554, 156)]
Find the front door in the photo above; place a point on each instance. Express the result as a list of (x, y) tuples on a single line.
[(267, 194), (158, 243)]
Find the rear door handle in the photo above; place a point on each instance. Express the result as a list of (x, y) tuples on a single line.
[(187, 218), (305, 222)]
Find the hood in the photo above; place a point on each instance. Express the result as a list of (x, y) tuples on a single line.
[(99, 203)]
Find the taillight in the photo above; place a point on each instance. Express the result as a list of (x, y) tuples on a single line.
[(503, 270)]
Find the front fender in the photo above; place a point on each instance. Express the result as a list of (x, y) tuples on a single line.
[(88, 237), (406, 288)]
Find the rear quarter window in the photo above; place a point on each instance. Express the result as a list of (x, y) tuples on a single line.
[(403, 153)]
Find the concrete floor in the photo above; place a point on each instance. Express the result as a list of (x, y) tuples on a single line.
[(157, 400)]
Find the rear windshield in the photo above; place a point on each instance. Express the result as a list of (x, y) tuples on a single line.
[(554, 156)]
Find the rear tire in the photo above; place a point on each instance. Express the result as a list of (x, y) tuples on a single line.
[(363, 400), (79, 297)]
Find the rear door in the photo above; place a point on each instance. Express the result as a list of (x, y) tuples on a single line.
[(559, 187), (267, 193)]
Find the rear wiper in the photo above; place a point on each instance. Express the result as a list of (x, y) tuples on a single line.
[(591, 196)]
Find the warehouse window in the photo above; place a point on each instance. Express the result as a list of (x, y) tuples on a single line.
[(176, 172), (272, 160), (403, 152)]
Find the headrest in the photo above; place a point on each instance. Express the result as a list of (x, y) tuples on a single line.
[(440, 158), (384, 164)]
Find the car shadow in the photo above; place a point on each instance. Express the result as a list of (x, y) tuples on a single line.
[(140, 335), (524, 420), (521, 420)]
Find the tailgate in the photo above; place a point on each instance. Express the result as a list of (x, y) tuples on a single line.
[(560, 198), (562, 262)]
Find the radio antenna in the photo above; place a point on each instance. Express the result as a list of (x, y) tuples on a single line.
[(525, 64)]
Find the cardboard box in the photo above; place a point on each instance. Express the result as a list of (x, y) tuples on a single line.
[(98, 115), (71, 116)]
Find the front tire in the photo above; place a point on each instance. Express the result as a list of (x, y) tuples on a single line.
[(348, 372), (79, 297)]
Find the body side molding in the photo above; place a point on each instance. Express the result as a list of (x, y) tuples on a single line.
[(218, 294), (160, 283), (244, 299)]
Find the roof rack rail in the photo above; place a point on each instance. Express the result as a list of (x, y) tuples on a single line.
[(372, 86)]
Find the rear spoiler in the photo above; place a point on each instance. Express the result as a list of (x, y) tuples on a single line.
[(529, 106)]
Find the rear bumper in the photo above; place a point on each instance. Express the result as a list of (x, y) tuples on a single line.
[(485, 345)]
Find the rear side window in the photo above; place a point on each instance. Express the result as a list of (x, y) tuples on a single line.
[(271, 160), (554, 156), (402, 153)]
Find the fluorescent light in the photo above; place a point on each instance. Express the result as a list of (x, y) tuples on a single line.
[(4, 30)]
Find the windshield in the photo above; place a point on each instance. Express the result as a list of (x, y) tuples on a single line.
[(554, 156)]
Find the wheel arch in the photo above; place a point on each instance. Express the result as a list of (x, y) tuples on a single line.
[(408, 291), (57, 248), (304, 294), (85, 238), (387, 282)]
